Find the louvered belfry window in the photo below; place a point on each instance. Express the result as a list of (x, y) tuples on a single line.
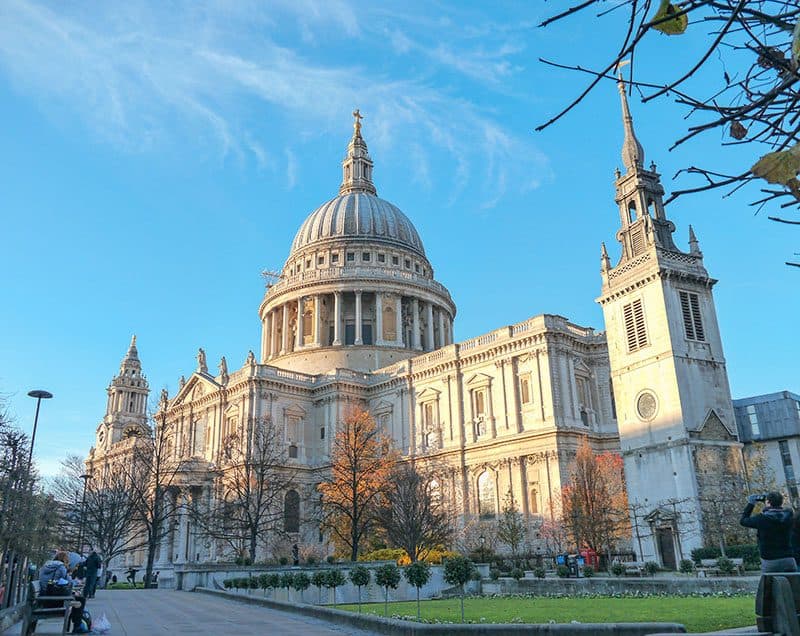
[(635, 330), (692, 319)]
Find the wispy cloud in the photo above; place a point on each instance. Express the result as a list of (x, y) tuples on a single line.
[(142, 76)]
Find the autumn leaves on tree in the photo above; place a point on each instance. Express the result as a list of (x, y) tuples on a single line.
[(595, 504)]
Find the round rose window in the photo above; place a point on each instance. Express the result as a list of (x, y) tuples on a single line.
[(646, 405)]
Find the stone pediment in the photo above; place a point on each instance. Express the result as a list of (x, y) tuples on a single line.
[(713, 429), (479, 380), (196, 386), (382, 407), (294, 410), (428, 394)]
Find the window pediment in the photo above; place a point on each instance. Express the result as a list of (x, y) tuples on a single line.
[(382, 408), (428, 395), (479, 380)]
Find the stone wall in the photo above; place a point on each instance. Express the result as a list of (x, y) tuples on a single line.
[(612, 586)]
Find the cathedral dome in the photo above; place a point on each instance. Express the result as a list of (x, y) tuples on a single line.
[(358, 215)]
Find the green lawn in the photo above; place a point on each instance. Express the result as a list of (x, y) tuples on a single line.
[(698, 614)]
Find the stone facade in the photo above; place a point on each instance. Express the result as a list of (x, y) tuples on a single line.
[(356, 318)]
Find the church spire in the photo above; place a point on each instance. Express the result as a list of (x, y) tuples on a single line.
[(131, 359), (632, 151), (357, 165)]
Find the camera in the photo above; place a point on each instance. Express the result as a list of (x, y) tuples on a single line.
[(757, 497)]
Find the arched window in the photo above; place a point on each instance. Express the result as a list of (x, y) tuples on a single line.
[(487, 500), (631, 212), (534, 501), (291, 512)]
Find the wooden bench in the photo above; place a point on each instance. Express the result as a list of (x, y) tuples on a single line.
[(59, 607), (634, 568), (710, 567)]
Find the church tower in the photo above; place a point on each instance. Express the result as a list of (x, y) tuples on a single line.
[(126, 409), (674, 410)]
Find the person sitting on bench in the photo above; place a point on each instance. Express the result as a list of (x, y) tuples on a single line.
[(56, 570)]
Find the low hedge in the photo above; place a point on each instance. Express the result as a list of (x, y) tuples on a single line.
[(748, 552)]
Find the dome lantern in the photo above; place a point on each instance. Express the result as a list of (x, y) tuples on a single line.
[(357, 165)]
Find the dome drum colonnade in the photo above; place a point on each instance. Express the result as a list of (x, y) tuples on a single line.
[(357, 276)]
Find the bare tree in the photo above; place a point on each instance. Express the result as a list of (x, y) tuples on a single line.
[(748, 64), (412, 513), (253, 491), (151, 473), (111, 514), (511, 528), (722, 487), (361, 461)]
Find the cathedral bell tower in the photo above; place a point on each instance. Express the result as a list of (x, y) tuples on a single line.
[(676, 420), (126, 409)]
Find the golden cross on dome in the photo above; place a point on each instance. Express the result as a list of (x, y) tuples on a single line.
[(357, 125)]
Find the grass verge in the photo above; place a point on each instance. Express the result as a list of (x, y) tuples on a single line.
[(697, 613)]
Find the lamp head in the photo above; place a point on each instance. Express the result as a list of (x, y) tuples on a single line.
[(40, 394)]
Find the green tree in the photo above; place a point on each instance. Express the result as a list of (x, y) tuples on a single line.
[(300, 582), (418, 574), (318, 580), (287, 580), (360, 576), (334, 579), (457, 571), (387, 576), (511, 526)]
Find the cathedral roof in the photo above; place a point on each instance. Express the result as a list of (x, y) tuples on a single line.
[(358, 213)]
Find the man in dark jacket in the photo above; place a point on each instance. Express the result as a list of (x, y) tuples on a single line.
[(774, 526), (93, 564)]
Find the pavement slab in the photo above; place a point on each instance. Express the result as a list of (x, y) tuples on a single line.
[(145, 612)]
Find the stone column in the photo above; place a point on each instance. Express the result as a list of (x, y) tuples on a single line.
[(318, 320), (379, 318), (265, 342), (285, 332), (415, 324), (299, 325), (358, 340), (398, 318), (337, 318), (183, 528), (429, 326), (275, 345), (442, 338)]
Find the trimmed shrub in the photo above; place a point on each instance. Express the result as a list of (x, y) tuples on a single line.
[(726, 566), (539, 572), (651, 567), (747, 552), (311, 560), (686, 566), (331, 560), (226, 584), (517, 574), (588, 571), (300, 582), (283, 560), (562, 571), (494, 574), (617, 569), (385, 554)]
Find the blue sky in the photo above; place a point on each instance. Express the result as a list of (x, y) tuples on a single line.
[(157, 156)]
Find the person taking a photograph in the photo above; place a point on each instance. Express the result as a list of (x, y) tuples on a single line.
[(774, 527)]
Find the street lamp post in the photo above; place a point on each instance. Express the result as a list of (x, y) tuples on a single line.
[(86, 477), (40, 395)]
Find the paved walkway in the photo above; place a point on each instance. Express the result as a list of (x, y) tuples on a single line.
[(144, 612)]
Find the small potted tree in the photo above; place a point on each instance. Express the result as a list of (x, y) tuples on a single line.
[(457, 571), (334, 579), (300, 582), (387, 576), (318, 580), (360, 576), (418, 574)]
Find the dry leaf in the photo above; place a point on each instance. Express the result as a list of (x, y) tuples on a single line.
[(738, 131), (781, 166), (672, 26)]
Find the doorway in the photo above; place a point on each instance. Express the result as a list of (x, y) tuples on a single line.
[(666, 547)]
